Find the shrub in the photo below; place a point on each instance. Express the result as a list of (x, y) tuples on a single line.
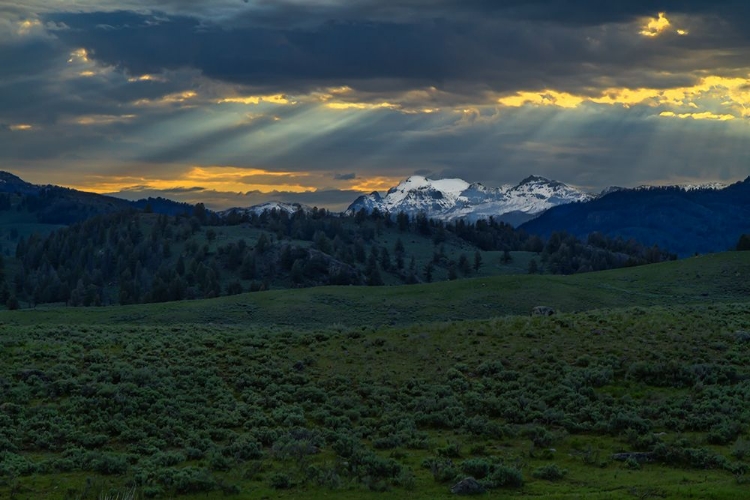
[(632, 464), (167, 459), (476, 467), (741, 449), (723, 433), (442, 471), (503, 476), (108, 463), (281, 481), (540, 436), (244, 448), (193, 480), (16, 465), (450, 450), (217, 461), (406, 479), (550, 472)]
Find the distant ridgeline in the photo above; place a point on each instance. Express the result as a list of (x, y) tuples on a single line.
[(137, 257), (63, 206), (684, 221)]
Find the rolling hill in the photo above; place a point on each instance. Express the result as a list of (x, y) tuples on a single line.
[(719, 278)]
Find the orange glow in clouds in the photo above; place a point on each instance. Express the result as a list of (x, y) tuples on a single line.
[(374, 184), (215, 178)]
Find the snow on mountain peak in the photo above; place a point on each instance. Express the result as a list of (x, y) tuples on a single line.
[(534, 179), (268, 206), (449, 199)]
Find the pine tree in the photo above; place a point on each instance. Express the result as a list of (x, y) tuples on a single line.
[(533, 267), (744, 243), (428, 272), (463, 264), (12, 303), (385, 259), (506, 258)]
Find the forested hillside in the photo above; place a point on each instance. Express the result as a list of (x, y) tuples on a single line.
[(684, 221), (136, 257), (21, 201)]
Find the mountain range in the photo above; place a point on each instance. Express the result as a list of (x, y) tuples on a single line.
[(288, 208), (450, 199), (59, 205), (684, 219)]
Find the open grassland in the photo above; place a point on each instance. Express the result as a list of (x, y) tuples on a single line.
[(313, 394), (718, 278)]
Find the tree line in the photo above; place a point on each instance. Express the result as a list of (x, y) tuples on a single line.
[(139, 257)]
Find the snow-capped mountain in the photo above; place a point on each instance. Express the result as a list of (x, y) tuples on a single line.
[(715, 186), (289, 208), (449, 199)]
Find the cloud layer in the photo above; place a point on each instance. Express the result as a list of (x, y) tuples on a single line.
[(325, 99)]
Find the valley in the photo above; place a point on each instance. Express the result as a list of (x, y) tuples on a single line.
[(332, 392), (162, 351), (410, 250)]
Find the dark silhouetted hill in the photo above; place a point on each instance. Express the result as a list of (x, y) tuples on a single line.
[(684, 221)]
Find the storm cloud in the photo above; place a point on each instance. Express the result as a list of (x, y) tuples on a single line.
[(307, 99)]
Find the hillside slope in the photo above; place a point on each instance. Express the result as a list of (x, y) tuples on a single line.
[(684, 221), (718, 278)]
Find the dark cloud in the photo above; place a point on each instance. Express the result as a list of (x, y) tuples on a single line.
[(177, 191), (345, 177), (499, 47), (448, 54)]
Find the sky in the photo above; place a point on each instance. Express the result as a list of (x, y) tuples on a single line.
[(238, 102)]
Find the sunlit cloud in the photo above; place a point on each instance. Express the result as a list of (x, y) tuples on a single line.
[(27, 26), (174, 98), (147, 78), (656, 26), (360, 105), (81, 65), (101, 119), (21, 127), (375, 183), (723, 96), (705, 115), (272, 99), (217, 178), (79, 56), (416, 101), (543, 98)]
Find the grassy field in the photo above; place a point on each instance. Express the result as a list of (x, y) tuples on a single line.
[(381, 392), (716, 278)]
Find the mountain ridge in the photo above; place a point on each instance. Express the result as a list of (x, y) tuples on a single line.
[(450, 199), (685, 221), (54, 204)]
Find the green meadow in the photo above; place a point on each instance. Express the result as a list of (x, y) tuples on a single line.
[(637, 388), (697, 280)]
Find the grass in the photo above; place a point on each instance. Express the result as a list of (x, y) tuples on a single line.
[(393, 360), (717, 278), (101, 402)]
